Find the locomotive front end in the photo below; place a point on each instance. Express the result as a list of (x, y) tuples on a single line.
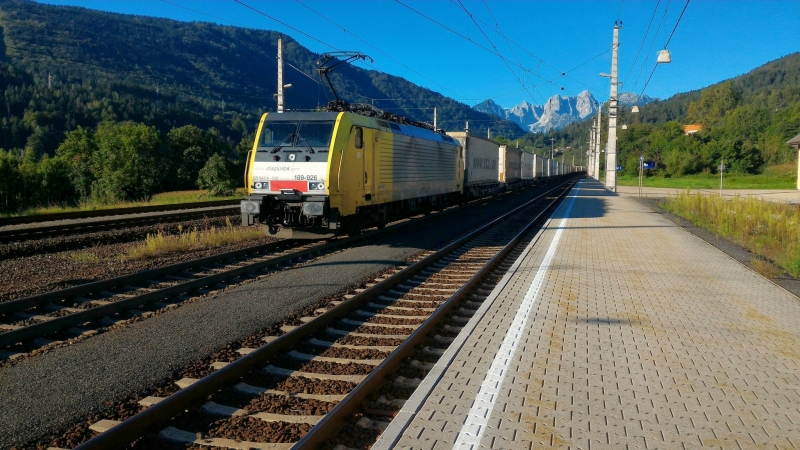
[(287, 176)]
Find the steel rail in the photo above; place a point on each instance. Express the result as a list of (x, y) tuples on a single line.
[(60, 323), (16, 220), (158, 414), (331, 423), (19, 234)]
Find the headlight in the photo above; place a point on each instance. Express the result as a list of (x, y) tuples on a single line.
[(316, 186), (250, 207), (264, 185)]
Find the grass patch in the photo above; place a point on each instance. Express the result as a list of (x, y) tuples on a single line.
[(783, 176), (186, 240), (164, 198), (770, 230), (85, 256)]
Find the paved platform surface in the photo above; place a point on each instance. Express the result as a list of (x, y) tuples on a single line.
[(616, 329), (772, 195)]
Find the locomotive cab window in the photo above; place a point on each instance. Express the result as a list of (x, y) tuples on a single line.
[(278, 134), (359, 137), (315, 134)]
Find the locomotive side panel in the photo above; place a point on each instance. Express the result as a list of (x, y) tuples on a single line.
[(422, 168)]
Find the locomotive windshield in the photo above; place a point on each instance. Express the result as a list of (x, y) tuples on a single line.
[(277, 135)]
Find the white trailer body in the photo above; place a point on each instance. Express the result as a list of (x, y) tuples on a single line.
[(510, 165), (481, 164), (527, 174)]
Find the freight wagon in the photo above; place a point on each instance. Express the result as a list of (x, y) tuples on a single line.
[(510, 167), (481, 165)]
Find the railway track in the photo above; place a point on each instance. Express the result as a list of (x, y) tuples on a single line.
[(30, 233), (298, 389), (42, 320), (16, 220)]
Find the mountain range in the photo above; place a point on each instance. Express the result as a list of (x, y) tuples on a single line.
[(558, 112), (176, 73)]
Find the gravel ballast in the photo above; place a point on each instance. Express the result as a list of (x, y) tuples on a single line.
[(41, 272), (42, 396)]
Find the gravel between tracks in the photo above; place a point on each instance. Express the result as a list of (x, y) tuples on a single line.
[(33, 226), (44, 395), (63, 269)]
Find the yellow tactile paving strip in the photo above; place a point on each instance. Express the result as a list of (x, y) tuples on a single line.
[(642, 336)]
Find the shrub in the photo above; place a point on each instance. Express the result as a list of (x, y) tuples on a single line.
[(215, 177)]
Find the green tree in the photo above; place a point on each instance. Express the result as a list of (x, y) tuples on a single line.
[(54, 187), (189, 150), (215, 177), (715, 103), (125, 163), (76, 152), (9, 181)]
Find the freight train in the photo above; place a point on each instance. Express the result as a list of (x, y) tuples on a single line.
[(319, 174)]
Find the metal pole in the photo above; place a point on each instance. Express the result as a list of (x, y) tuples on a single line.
[(598, 134), (434, 118), (280, 75), (641, 173), (611, 147), (721, 169), (590, 152)]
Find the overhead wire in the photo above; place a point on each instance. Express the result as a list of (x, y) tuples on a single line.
[(676, 23), (304, 73), (329, 45), (494, 46), (379, 50), (649, 50), (490, 50), (665, 45), (511, 47), (284, 61), (644, 39), (287, 25), (565, 73)]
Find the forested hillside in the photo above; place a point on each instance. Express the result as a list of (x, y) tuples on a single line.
[(64, 71), (746, 122)]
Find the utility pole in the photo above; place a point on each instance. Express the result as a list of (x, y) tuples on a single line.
[(550, 163), (597, 144), (590, 151), (280, 75), (49, 81), (611, 147), (488, 133), (434, 119)]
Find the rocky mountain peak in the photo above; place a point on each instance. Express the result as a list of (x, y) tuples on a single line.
[(557, 112)]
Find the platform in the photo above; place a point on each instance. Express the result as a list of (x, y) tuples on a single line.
[(616, 329)]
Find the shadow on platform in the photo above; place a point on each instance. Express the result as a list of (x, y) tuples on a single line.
[(606, 321)]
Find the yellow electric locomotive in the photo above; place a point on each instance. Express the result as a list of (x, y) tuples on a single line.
[(317, 174)]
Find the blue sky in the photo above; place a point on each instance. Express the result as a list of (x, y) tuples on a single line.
[(714, 40)]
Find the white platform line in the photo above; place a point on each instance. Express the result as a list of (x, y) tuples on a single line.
[(471, 432)]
